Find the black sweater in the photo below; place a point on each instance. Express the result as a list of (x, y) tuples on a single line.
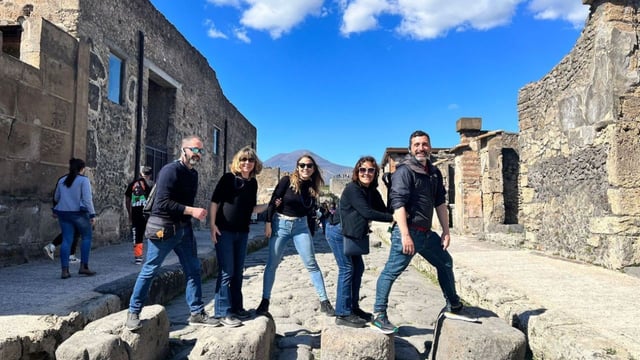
[(358, 206), (236, 198)]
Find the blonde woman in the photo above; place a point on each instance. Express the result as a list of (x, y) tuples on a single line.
[(289, 215), (232, 203)]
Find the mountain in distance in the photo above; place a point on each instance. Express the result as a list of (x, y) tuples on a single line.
[(287, 162)]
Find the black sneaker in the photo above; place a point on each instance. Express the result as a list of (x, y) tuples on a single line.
[(456, 309), (202, 319), (230, 321), (351, 321), (133, 322), (362, 314), (325, 307), (381, 322), (263, 308), (243, 314)]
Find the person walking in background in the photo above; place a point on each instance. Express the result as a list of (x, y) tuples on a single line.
[(50, 249), (75, 212), (416, 189), (324, 215), (348, 236), (169, 228), (135, 198), (232, 203), (294, 219)]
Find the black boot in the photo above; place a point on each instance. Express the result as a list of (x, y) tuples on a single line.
[(263, 308), (325, 307), (84, 270), (65, 273)]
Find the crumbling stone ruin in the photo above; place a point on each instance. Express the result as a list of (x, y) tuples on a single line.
[(111, 82), (579, 145)]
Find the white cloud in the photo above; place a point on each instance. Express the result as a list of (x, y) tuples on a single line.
[(361, 15), (417, 19), (233, 3), (241, 34), (572, 11), (212, 32), (278, 16), (427, 19)]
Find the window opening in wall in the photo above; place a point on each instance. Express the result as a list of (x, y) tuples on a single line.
[(161, 109), (115, 78), (510, 175), (11, 36), (156, 158), (216, 141)]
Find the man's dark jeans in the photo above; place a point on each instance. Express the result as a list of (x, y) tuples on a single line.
[(429, 245)]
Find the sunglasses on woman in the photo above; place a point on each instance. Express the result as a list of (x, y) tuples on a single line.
[(305, 165), (364, 170)]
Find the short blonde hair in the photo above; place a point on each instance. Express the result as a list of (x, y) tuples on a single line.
[(245, 152)]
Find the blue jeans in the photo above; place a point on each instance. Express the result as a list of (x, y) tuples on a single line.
[(231, 251), (350, 270), (70, 222), (184, 245), (282, 231), (429, 246)]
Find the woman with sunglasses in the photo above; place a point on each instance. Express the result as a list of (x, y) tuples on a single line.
[(290, 220), (348, 238), (232, 203)]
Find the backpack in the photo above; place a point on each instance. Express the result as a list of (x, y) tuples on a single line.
[(146, 210)]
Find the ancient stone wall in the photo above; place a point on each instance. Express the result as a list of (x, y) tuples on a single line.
[(267, 182), (180, 96), (36, 123), (579, 145)]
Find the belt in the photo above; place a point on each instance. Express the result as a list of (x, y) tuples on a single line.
[(286, 217), (419, 228)]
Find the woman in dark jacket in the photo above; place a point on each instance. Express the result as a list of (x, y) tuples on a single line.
[(360, 203)]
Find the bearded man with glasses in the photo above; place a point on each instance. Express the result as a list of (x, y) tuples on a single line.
[(416, 190), (169, 229)]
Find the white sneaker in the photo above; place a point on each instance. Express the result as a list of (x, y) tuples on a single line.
[(73, 259), (50, 250)]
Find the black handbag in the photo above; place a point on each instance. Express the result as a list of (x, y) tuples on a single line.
[(353, 246), (159, 229)]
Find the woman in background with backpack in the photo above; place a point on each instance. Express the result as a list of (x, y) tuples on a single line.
[(75, 212), (348, 237), (135, 198)]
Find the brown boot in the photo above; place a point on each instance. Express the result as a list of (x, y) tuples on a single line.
[(65, 273), (84, 270)]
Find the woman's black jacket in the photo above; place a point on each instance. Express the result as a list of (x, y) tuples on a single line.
[(358, 206)]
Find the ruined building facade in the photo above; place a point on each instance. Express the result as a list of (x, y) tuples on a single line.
[(111, 82), (579, 145), (568, 184)]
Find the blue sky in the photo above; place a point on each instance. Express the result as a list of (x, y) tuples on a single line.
[(346, 78)]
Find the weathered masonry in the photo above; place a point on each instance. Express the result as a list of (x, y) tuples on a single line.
[(580, 145), (112, 82)]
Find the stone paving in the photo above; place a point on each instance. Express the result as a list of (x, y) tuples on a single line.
[(414, 304), (567, 310)]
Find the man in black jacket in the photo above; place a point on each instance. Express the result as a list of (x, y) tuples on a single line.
[(169, 229), (416, 189)]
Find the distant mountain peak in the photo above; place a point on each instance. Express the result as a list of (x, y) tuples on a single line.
[(287, 162)]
